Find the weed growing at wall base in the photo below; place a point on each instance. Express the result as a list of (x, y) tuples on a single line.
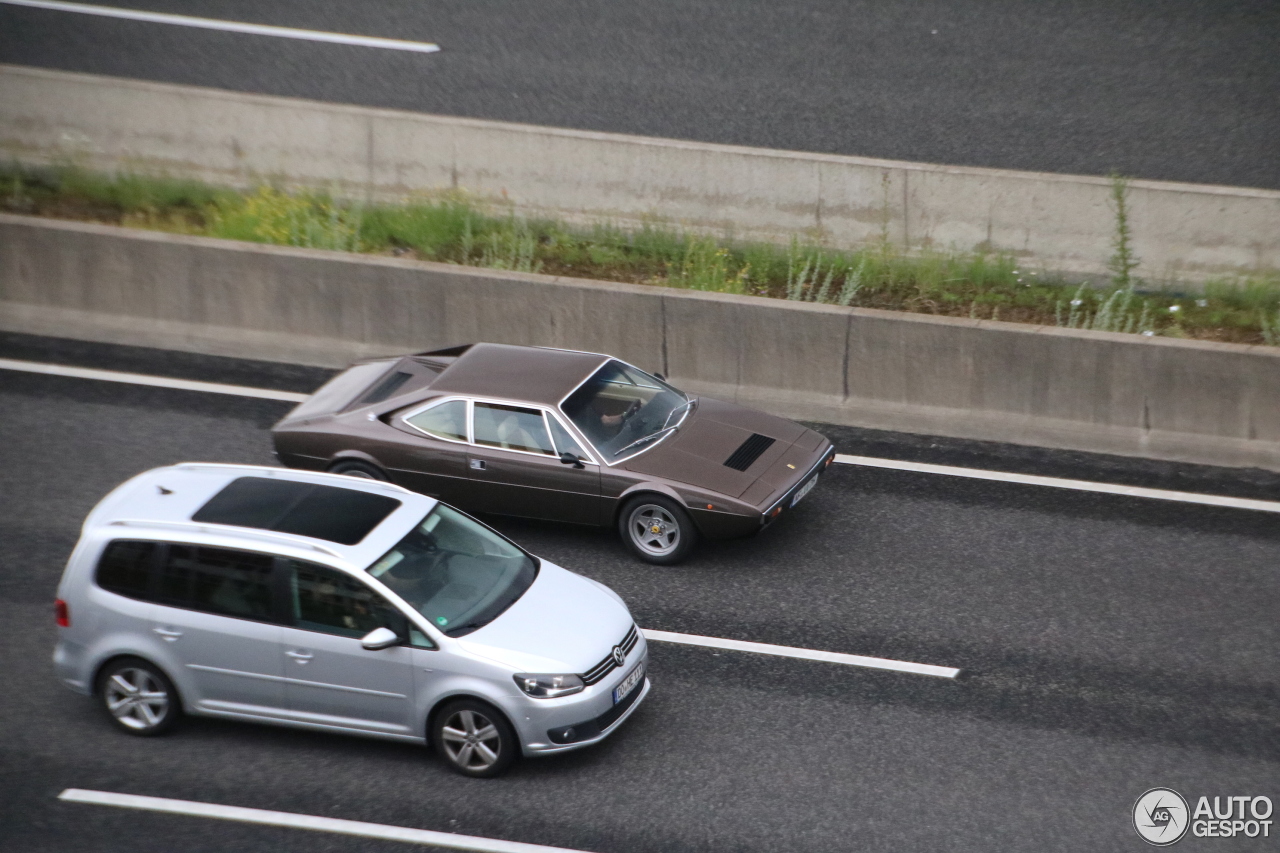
[(454, 228)]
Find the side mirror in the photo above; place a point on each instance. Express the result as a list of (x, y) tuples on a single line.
[(379, 639), (568, 458), (659, 376)]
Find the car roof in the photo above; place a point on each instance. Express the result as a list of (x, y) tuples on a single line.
[(529, 374), (162, 502)]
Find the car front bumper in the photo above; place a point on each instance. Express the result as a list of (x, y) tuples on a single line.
[(592, 717)]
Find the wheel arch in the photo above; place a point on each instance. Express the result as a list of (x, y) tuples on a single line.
[(472, 695), (355, 456), (642, 489), (96, 681)]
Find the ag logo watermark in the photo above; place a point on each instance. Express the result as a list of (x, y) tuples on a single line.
[(1162, 817)]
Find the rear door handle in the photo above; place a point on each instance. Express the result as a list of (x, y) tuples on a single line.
[(299, 656), (478, 464), (170, 634)]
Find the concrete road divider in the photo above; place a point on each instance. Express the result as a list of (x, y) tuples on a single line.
[(1064, 223), (1156, 397)]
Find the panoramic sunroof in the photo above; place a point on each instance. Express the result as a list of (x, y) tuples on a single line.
[(344, 516)]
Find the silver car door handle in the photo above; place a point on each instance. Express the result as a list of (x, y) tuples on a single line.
[(299, 656), (478, 464), (168, 633)]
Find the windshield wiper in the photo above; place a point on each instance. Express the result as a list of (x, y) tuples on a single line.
[(687, 404), (644, 440)]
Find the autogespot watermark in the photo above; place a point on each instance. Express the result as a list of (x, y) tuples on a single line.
[(1162, 817)]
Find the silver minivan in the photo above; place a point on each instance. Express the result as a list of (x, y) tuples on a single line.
[(326, 602)]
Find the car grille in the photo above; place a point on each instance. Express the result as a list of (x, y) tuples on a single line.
[(608, 665), (749, 452)]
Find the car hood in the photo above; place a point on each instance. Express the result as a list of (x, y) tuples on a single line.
[(697, 453), (563, 623)]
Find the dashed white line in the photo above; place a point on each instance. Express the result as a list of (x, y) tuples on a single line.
[(1057, 483), (803, 654), (154, 381), (226, 26), (291, 820)]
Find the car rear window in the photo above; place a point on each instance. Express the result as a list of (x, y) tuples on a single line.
[(125, 568), (331, 513)]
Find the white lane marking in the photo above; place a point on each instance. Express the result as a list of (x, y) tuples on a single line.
[(866, 461), (1056, 483), (301, 821), (156, 381), (226, 26), (803, 654)]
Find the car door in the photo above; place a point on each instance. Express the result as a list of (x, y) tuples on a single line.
[(217, 618), (516, 469), (331, 679), (426, 451)]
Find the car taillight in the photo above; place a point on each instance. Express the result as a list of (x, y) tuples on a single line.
[(61, 613)]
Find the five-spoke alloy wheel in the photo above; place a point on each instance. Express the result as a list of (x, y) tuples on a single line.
[(657, 529), (138, 697), (474, 739)]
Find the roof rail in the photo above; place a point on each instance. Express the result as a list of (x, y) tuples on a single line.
[(240, 532)]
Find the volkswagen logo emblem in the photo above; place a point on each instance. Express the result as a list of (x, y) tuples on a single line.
[(619, 656)]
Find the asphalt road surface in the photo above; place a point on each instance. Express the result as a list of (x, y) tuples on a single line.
[(1180, 90), (1111, 645)]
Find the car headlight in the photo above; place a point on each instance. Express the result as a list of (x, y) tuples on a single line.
[(549, 686)]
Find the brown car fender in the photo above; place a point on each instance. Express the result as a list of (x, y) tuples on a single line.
[(719, 524), (355, 455), (646, 488)]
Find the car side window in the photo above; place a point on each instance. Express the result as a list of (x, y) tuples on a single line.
[(565, 442), (332, 602), (447, 420), (511, 428), (217, 580), (125, 568)]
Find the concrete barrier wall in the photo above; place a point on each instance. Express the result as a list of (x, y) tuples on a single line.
[(1058, 222), (1156, 397)]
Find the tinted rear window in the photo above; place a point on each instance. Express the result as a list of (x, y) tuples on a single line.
[(334, 514), (218, 580), (125, 568)]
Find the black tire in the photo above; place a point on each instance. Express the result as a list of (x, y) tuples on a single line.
[(474, 738), (657, 529), (356, 468), (138, 698)]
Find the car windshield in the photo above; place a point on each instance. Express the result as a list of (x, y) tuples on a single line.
[(622, 410), (456, 572)]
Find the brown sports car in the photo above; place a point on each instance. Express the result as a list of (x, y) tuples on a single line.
[(556, 434)]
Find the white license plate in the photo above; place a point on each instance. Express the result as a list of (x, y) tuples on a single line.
[(628, 684), (804, 490)]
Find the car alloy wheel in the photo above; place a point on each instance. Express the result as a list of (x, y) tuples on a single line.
[(138, 698), (475, 739), (657, 530), (654, 530)]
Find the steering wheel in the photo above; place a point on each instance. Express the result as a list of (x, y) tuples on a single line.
[(631, 410)]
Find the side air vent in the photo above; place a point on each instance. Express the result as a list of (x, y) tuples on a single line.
[(749, 452)]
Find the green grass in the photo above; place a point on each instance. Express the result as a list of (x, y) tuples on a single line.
[(453, 228)]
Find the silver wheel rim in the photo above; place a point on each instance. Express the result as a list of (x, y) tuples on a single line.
[(471, 740), (136, 698), (654, 530), (357, 472)]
